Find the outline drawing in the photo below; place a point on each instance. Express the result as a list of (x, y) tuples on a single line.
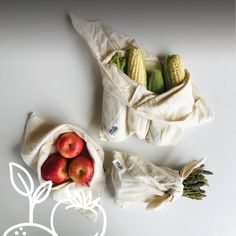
[(79, 201)]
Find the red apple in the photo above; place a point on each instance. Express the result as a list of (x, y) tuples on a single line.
[(69, 145), (55, 168), (81, 169)]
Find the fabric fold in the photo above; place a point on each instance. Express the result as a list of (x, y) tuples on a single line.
[(128, 107), (39, 139), (138, 180)]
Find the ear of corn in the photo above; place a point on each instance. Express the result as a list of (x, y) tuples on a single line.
[(156, 82), (136, 66), (174, 71), (119, 61)]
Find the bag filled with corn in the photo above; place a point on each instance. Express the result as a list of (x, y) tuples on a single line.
[(138, 180), (143, 96)]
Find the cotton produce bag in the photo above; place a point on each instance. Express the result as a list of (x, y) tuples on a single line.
[(128, 107), (38, 144), (138, 180)]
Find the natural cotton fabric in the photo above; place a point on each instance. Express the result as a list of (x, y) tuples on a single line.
[(39, 140), (141, 181), (128, 107)]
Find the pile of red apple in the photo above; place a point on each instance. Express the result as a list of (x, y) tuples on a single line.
[(71, 162)]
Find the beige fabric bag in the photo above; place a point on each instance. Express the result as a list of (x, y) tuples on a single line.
[(138, 180), (38, 144), (128, 107)]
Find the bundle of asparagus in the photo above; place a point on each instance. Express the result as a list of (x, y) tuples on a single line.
[(194, 182)]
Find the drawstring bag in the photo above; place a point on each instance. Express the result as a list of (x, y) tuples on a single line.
[(128, 107), (39, 140), (138, 180)]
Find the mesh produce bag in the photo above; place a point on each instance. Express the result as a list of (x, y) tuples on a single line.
[(138, 180)]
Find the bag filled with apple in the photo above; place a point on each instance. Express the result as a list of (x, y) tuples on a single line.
[(65, 155)]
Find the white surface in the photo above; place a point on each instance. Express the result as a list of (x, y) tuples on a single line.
[(39, 51)]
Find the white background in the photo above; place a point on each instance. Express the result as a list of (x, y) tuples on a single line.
[(47, 68)]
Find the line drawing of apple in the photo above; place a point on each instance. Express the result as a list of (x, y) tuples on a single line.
[(78, 201), (55, 169), (81, 169), (69, 145)]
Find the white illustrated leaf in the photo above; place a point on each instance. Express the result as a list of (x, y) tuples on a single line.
[(73, 200), (73, 203), (42, 192), (89, 197), (83, 198), (79, 198), (24, 177), (94, 203)]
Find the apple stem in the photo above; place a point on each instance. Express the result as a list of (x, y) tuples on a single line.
[(31, 210)]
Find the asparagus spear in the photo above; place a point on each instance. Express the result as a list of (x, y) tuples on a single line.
[(194, 182)]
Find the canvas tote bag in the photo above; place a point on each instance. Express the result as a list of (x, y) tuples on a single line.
[(128, 107)]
